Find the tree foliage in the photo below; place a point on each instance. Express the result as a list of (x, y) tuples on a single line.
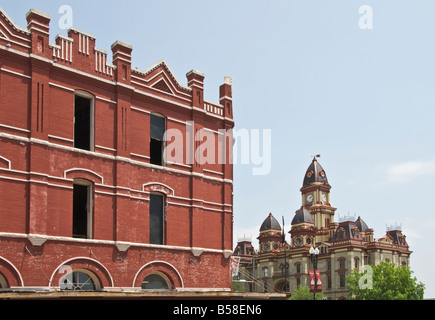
[(303, 293), (238, 287), (387, 281)]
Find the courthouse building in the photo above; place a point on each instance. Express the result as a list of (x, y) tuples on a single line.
[(88, 200), (344, 245)]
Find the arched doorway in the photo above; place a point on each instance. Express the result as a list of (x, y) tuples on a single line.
[(282, 286)]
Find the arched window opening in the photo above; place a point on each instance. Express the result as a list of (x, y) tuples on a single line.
[(282, 286), (155, 282), (79, 281), (3, 282), (356, 263), (266, 272)]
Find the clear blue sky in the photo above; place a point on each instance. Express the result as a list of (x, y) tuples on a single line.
[(363, 99)]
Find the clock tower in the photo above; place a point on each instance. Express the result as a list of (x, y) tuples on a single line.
[(316, 199)]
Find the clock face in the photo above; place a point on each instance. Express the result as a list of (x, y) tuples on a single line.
[(310, 198), (324, 196)]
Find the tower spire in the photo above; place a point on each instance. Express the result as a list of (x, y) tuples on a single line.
[(316, 156)]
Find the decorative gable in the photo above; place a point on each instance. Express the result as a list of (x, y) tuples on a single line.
[(161, 78), (162, 86)]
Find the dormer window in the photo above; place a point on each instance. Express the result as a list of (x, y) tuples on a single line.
[(341, 234)]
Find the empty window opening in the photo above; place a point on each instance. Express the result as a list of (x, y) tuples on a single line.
[(157, 221), (158, 128), (82, 210), (156, 150), (83, 123)]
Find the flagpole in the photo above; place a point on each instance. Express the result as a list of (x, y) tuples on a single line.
[(285, 256), (285, 268)]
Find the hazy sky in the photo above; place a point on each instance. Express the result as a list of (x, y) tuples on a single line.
[(305, 70)]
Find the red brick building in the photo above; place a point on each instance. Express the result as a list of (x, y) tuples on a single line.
[(87, 200)]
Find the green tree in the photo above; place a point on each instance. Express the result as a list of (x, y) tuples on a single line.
[(385, 281), (238, 287), (303, 293)]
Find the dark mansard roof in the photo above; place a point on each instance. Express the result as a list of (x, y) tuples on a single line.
[(270, 224), (302, 215), (315, 173)]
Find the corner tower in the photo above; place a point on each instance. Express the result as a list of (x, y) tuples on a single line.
[(270, 235), (316, 199)]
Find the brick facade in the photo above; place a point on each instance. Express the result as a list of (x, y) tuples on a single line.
[(39, 165)]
